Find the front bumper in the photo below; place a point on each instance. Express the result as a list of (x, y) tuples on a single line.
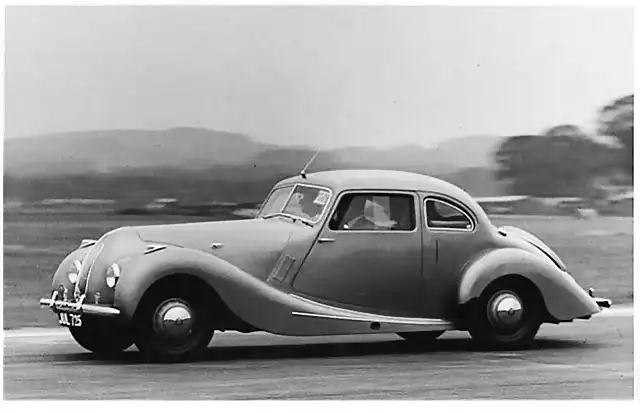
[(79, 308)]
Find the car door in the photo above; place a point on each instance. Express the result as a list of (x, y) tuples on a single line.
[(368, 254), (450, 229)]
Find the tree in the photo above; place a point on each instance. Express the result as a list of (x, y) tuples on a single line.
[(616, 120), (567, 130), (562, 162)]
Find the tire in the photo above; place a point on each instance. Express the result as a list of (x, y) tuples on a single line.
[(421, 338), (506, 316), (102, 336), (172, 323)]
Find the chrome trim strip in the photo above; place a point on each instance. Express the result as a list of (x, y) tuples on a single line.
[(354, 315), (151, 248), (401, 321), (87, 242), (87, 262), (97, 255)]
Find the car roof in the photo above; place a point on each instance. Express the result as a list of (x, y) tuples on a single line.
[(354, 179)]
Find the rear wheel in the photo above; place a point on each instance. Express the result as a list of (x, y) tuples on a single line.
[(421, 338), (102, 336), (506, 316), (172, 323)]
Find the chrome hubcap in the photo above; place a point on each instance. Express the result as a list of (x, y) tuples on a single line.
[(173, 319), (505, 311)]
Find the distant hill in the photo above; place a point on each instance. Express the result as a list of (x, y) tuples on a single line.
[(114, 150), (110, 151), (201, 163), (446, 157)]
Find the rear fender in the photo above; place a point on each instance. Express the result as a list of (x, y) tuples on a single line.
[(563, 297)]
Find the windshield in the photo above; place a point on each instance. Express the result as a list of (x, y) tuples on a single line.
[(275, 202), (305, 202)]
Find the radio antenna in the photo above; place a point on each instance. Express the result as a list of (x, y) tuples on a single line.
[(303, 172)]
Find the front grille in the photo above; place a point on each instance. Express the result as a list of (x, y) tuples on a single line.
[(87, 266)]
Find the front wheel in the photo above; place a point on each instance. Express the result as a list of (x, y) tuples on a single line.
[(102, 336), (172, 324), (506, 316)]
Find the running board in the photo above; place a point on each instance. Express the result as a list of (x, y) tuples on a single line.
[(374, 322)]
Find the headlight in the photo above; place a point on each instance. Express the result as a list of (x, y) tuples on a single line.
[(74, 271), (113, 274)]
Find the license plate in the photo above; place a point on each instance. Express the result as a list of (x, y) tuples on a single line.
[(70, 319)]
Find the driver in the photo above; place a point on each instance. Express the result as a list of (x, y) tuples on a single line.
[(365, 221)]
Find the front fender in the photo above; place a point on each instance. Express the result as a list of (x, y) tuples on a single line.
[(140, 272), (564, 298), (248, 297)]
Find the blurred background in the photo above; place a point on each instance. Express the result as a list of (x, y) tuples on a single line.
[(139, 115)]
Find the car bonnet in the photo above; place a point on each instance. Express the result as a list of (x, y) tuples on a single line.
[(252, 245)]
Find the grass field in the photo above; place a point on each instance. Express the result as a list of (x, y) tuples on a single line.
[(598, 252)]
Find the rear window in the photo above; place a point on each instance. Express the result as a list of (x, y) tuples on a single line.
[(444, 215)]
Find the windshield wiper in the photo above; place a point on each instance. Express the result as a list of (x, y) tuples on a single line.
[(269, 216), (305, 222), (293, 218)]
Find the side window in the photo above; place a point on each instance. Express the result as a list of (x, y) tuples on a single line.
[(443, 215), (374, 211)]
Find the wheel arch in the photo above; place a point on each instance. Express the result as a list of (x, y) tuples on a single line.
[(521, 285), (175, 266), (223, 317)]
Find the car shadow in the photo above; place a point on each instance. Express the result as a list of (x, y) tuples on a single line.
[(337, 350)]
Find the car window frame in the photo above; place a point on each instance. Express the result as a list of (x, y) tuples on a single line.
[(293, 186), (451, 203), (414, 196), (271, 192)]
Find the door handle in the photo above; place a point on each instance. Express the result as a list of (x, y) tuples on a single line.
[(326, 240)]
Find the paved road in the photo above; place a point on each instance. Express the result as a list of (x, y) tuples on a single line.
[(583, 360)]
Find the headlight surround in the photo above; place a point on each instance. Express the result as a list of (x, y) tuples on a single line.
[(74, 271), (113, 274)]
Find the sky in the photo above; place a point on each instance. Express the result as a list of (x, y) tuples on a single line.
[(321, 76)]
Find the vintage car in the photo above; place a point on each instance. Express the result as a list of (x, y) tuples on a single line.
[(329, 253)]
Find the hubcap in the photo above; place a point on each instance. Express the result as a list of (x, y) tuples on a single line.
[(173, 319), (505, 311)]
